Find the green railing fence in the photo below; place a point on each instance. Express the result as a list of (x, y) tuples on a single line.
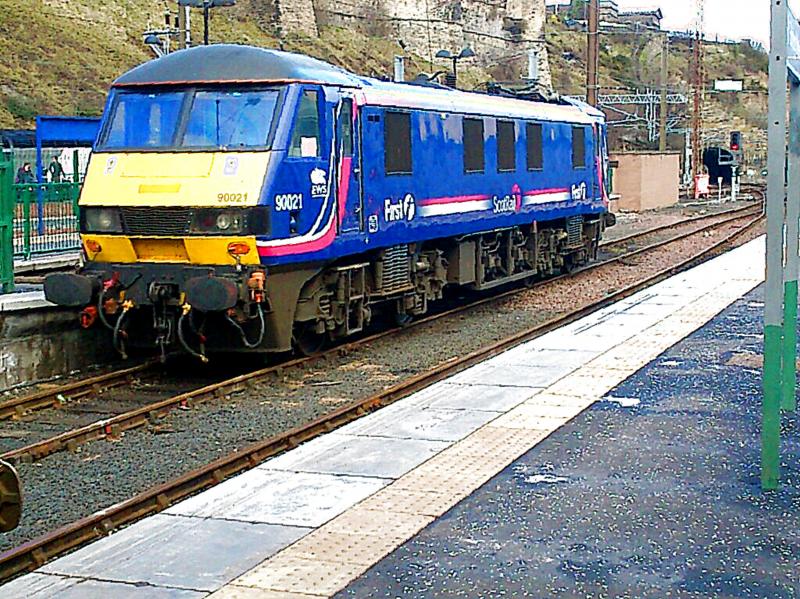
[(45, 218), (36, 218)]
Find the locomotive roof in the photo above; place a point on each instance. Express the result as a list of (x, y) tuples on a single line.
[(230, 63), (401, 95)]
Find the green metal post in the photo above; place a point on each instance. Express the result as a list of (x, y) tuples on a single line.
[(789, 381), (7, 207), (773, 304)]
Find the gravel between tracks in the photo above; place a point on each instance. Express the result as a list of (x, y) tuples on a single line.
[(67, 486), (634, 222)]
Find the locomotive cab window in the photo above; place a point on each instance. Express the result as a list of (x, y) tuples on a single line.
[(306, 138), (345, 127), (229, 119), (397, 143), (193, 119), (506, 147), (474, 159), (533, 143), (578, 147)]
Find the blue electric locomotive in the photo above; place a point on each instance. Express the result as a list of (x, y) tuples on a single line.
[(248, 199)]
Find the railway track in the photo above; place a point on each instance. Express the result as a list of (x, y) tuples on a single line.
[(149, 413), (58, 396), (36, 552)]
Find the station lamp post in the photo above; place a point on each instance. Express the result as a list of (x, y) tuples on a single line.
[(465, 53), (206, 5)]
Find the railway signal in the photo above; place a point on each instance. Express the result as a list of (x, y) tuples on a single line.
[(736, 141), (737, 148)]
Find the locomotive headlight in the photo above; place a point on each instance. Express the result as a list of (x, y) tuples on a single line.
[(224, 221), (211, 221), (101, 220)]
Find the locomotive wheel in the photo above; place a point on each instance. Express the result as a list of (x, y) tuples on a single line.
[(306, 340)]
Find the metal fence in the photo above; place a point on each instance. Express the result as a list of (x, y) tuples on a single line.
[(45, 215), (45, 218), (38, 218)]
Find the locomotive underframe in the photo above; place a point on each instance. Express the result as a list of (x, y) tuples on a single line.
[(403, 279), (213, 308)]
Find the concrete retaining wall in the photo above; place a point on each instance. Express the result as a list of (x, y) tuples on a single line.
[(40, 343)]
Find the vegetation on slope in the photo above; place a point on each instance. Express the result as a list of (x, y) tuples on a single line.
[(60, 56)]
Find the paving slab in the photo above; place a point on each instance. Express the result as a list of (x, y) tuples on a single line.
[(26, 300), (432, 424), (539, 355), (505, 375), (352, 455), (41, 586), (179, 552), (488, 398), (276, 497)]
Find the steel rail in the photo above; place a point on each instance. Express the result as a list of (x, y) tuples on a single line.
[(113, 427), (19, 406), (688, 221), (36, 552)]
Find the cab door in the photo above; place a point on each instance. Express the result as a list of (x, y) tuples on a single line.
[(348, 149)]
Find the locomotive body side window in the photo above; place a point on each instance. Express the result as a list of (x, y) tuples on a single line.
[(306, 137), (397, 143), (474, 158), (506, 146), (578, 147), (533, 142)]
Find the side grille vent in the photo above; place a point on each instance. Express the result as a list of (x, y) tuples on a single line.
[(575, 231), (393, 272), (166, 222)]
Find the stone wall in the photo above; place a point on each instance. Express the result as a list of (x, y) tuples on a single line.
[(499, 31), (283, 17)]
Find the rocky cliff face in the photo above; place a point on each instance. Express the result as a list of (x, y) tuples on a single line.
[(500, 32)]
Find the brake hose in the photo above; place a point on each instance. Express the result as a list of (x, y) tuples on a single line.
[(119, 344), (100, 308), (243, 335), (182, 339)]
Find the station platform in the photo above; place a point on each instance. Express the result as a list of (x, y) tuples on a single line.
[(31, 296), (47, 262), (24, 298), (616, 456)]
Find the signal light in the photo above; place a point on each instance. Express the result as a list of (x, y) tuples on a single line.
[(238, 248), (736, 141), (93, 246)]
